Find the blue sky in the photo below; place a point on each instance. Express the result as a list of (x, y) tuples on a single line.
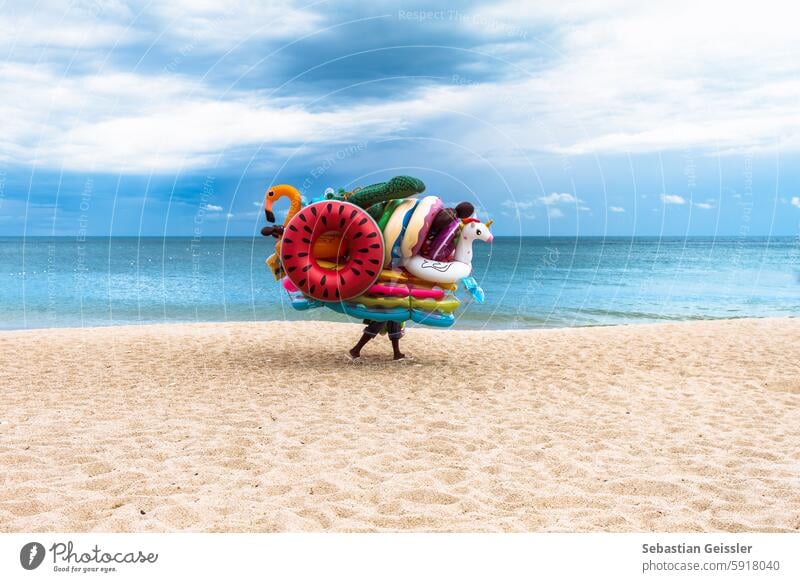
[(612, 118)]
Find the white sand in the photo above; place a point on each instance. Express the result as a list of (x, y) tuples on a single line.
[(264, 427)]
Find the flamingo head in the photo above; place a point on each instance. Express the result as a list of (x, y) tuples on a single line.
[(276, 193)]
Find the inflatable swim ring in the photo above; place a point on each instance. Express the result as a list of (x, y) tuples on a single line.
[(434, 319), (405, 291), (419, 224), (394, 228), (394, 276), (437, 271), (403, 276), (362, 251), (445, 305)]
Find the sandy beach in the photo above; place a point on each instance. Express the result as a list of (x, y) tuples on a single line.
[(265, 427)]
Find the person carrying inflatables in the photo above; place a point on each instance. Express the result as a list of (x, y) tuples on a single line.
[(378, 253), (395, 330)]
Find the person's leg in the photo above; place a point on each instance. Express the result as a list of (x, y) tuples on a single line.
[(396, 331), (373, 328)]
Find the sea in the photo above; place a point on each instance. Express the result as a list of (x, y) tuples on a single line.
[(529, 282)]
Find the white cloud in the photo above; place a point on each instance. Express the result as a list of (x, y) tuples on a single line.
[(558, 198), (138, 123), (643, 77), (703, 205), (521, 208), (213, 208), (633, 77), (616, 209), (194, 26), (59, 26), (672, 199), (518, 204), (796, 201), (97, 118), (225, 23), (554, 212)]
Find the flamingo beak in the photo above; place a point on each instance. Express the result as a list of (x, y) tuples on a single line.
[(268, 210)]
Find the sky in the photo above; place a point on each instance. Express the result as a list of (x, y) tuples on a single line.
[(613, 118)]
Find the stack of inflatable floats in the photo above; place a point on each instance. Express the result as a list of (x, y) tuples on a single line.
[(380, 252)]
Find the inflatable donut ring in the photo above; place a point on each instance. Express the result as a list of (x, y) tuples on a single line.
[(419, 225), (361, 242)]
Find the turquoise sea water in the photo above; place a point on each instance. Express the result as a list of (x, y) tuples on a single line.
[(529, 282)]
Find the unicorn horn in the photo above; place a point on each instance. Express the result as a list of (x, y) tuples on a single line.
[(489, 223)]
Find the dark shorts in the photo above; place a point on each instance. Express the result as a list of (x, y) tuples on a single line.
[(393, 328)]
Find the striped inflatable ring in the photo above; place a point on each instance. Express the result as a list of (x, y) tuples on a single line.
[(395, 226), (419, 225), (448, 305), (362, 251)]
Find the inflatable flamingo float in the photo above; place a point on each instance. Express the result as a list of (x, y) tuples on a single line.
[(377, 253)]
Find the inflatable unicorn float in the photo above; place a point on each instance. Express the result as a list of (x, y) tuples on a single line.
[(379, 253)]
